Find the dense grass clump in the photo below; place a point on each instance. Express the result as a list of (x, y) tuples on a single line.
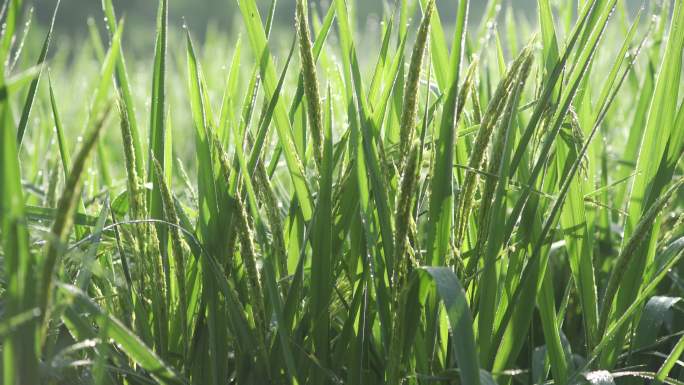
[(500, 206)]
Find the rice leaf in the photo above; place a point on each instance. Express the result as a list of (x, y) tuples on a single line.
[(30, 97)]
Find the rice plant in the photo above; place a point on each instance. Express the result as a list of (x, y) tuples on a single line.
[(503, 205)]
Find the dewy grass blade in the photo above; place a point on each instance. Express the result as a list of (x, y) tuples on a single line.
[(123, 83), (379, 70), (208, 205), (227, 115), (99, 101), (59, 129), (453, 296), (157, 151), (13, 10), (158, 105), (20, 41), (95, 39), (257, 38), (670, 362), (30, 97), (549, 40), (442, 197), (546, 304), (383, 98), (267, 116), (19, 355)]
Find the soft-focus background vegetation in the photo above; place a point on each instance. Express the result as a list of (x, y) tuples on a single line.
[(224, 13), (141, 13)]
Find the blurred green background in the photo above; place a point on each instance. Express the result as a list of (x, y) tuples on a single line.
[(223, 14), (198, 13)]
